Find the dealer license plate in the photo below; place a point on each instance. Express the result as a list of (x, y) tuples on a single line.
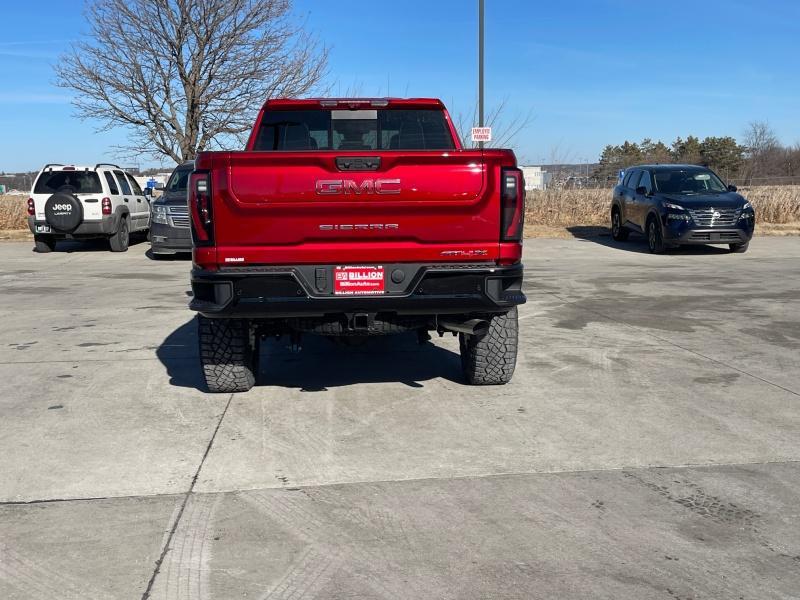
[(358, 281)]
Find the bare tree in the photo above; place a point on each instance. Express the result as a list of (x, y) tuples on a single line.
[(505, 128), (762, 150), (186, 75)]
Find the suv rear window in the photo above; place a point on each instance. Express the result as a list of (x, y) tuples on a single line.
[(75, 182), (112, 185), (134, 185), (354, 130), (123, 183)]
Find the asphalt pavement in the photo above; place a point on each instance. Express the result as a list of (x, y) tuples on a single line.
[(647, 446)]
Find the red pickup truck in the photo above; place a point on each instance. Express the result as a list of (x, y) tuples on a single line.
[(355, 217)]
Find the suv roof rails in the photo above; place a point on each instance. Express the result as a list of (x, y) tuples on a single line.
[(51, 165), (98, 165)]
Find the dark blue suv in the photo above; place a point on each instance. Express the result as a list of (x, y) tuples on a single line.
[(674, 205)]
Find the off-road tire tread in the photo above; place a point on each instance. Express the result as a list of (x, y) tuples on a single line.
[(490, 359), (228, 362)]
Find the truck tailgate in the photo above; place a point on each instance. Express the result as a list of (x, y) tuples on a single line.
[(339, 207)]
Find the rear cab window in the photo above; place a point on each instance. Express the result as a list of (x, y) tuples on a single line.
[(357, 130), (72, 182)]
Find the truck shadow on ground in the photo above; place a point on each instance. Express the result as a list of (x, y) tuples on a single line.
[(177, 257), (636, 242), (92, 245), (322, 363)]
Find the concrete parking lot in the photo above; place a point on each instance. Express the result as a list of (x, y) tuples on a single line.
[(647, 447)]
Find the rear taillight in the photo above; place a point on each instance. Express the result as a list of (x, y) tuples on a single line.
[(31, 207), (200, 207), (512, 211), (105, 203)]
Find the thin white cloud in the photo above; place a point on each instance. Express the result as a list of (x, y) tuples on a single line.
[(21, 97), (34, 49), (25, 43), (34, 54)]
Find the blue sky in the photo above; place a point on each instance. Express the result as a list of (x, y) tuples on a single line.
[(589, 73)]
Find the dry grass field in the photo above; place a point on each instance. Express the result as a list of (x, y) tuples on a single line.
[(548, 213), (13, 212), (551, 211)]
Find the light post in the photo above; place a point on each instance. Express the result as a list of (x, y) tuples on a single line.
[(480, 67)]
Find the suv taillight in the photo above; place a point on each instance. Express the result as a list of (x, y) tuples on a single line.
[(200, 208), (105, 203), (512, 211), (31, 207)]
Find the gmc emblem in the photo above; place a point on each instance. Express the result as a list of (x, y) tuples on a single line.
[(367, 186)]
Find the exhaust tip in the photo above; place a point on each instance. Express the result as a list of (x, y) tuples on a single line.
[(479, 327)]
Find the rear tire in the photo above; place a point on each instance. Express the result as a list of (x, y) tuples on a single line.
[(490, 359), (618, 232), (739, 248), (44, 243), (119, 241), (655, 238), (228, 360)]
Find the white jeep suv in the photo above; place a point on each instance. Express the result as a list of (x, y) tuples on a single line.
[(70, 202)]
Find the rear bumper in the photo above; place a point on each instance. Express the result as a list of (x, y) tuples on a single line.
[(102, 228), (305, 291), (165, 239)]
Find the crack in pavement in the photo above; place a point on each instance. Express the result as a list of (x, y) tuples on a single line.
[(173, 529), (633, 468)]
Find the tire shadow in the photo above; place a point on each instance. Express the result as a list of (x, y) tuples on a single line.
[(177, 257), (636, 242), (322, 363), (89, 245)]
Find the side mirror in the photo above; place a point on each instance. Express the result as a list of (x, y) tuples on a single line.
[(147, 191), (641, 190), (732, 188), (161, 188)]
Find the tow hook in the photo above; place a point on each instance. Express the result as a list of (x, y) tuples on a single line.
[(361, 321)]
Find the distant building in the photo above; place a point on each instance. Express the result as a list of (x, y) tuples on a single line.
[(536, 178)]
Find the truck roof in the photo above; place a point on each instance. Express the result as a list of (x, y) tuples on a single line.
[(288, 103)]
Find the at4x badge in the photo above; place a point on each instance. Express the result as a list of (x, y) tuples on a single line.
[(469, 253)]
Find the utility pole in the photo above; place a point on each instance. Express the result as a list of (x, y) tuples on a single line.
[(480, 66)]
